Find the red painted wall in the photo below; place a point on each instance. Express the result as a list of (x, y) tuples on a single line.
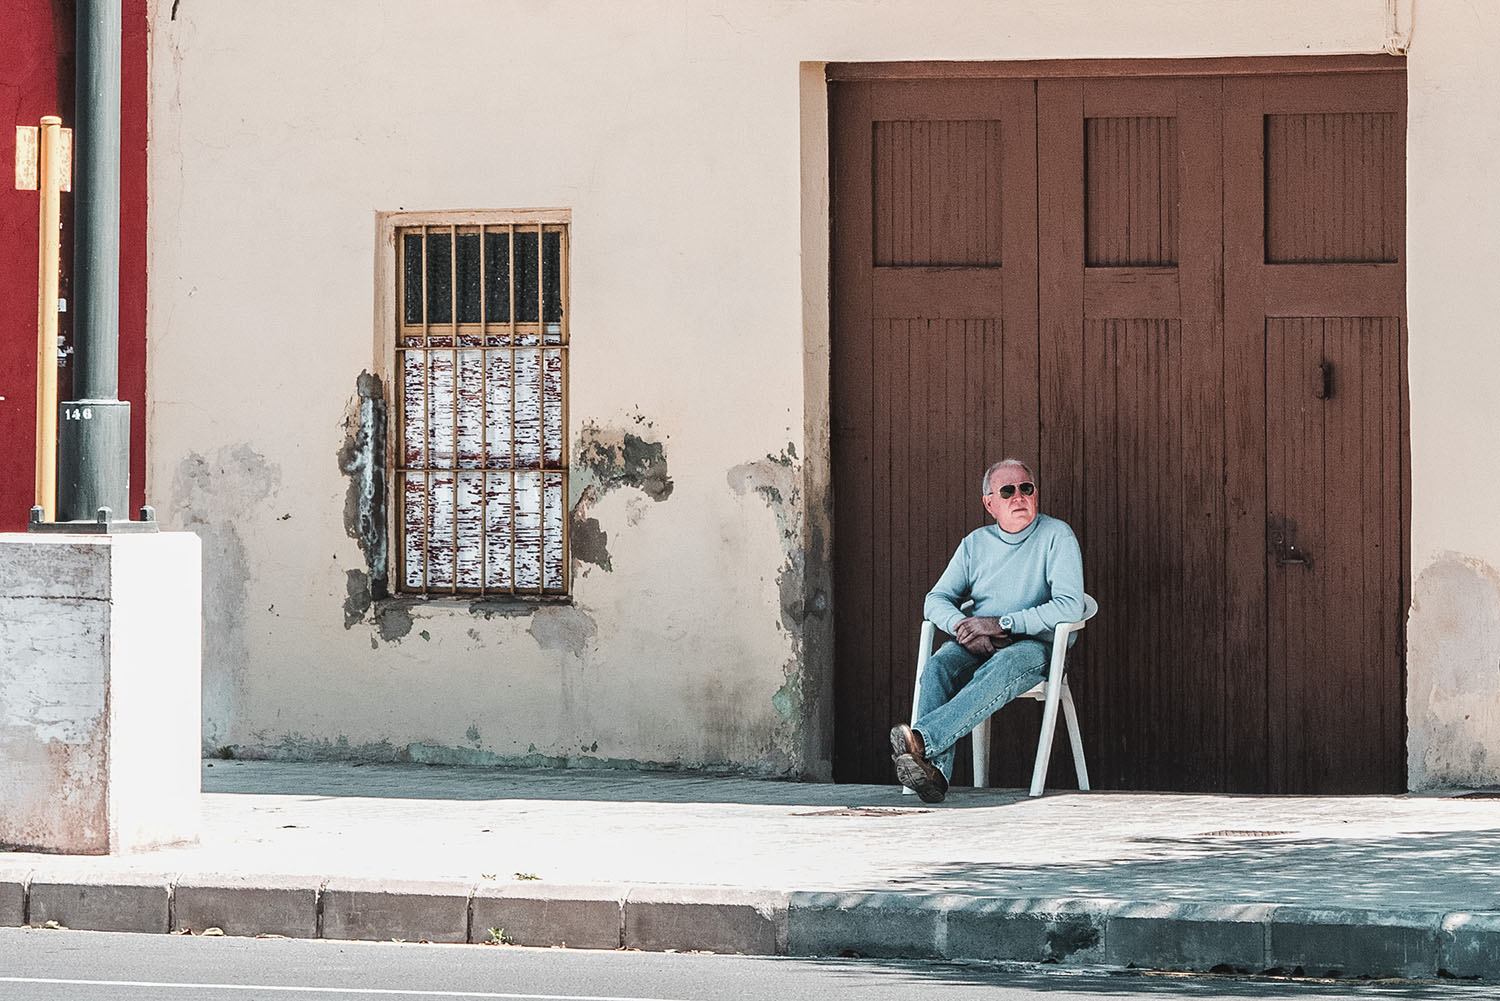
[(36, 79)]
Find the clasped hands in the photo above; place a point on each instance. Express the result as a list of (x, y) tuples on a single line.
[(981, 635)]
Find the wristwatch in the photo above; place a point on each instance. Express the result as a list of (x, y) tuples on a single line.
[(1008, 623)]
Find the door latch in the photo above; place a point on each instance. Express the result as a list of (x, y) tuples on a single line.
[(1282, 535), (1323, 383)]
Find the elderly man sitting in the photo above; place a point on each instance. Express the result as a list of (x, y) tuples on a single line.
[(1025, 575)]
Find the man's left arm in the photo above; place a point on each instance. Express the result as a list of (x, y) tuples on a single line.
[(1064, 573)]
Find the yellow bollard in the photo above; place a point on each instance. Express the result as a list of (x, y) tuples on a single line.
[(51, 178)]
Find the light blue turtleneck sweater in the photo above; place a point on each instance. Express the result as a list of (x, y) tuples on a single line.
[(1035, 575)]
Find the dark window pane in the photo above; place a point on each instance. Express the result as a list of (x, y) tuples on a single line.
[(468, 278), (497, 277), (552, 277), (412, 245), (526, 304), (439, 278)]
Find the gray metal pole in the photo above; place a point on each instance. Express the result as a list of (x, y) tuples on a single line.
[(94, 428)]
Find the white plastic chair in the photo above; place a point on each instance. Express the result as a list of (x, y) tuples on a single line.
[(1051, 693)]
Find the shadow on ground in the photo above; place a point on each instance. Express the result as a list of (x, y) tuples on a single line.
[(1139, 983), (1394, 872)]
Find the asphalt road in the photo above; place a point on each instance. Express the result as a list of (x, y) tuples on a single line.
[(61, 965)]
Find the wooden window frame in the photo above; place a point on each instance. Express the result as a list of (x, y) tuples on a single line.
[(390, 328)]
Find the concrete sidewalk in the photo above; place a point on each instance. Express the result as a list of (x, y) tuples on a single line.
[(1367, 885)]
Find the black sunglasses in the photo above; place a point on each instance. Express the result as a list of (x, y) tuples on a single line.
[(1008, 491)]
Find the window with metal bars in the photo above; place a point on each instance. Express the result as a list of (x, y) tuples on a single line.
[(482, 355)]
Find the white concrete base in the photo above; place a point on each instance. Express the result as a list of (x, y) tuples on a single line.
[(100, 677)]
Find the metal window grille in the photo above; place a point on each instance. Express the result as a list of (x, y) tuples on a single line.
[(482, 352)]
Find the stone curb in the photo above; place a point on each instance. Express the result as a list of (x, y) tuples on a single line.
[(546, 914), (1338, 942), (411, 910), (246, 905), (1084, 931), (1185, 936), (887, 925), (1247, 938), (1469, 944), (137, 902), (13, 898), (1042, 930), (751, 922)]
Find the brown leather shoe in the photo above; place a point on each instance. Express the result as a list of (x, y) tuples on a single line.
[(921, 777), (913, 770), (905, 740)]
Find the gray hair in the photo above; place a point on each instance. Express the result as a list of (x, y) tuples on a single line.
[(989, 474)]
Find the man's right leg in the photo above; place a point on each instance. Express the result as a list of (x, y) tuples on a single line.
[(948, 671), (985, 685)]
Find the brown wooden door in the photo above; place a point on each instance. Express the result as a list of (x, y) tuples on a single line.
[(1205, 253), (1315, 298), (934, 365), (1133, 413)]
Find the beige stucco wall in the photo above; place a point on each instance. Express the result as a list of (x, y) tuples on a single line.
[(1453, 242), (688, 139)]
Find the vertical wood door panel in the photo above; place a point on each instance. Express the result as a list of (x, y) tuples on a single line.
[(1330, 178), (1315, 175), (934, 363), (1142, 285), (1147, 202), (1130, 176), (1334, 489), (854, 432)]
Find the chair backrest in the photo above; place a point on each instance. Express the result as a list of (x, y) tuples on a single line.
[(1060, 636), (1090, 609)]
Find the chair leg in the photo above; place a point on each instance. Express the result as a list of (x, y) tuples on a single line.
[(1044, 742), (980, 737), (1075, 737)]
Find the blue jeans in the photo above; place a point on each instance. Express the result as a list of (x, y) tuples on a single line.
[(959, 689)]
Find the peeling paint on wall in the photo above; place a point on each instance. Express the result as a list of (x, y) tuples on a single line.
[(393, 619), (565, 628), (590, 542), (212, 496), (357, 600), (606, 459), (299, 747), (777, 479), (362, 458), (1453, 675)]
